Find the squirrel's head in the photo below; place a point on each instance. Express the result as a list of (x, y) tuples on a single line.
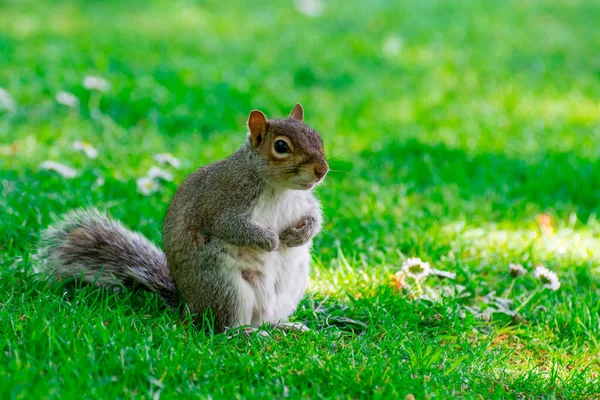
[(292, 152)]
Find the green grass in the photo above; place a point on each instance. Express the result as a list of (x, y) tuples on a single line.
[(449, 150)]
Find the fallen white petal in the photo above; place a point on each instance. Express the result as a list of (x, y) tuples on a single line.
[(443, 274), (67, 99), (63, 170), (96, 83), (310, 8), (6, 100), (392, 46), (99, 182)]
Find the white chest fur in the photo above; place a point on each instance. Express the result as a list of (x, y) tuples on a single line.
[(284, 273), (281, 210)]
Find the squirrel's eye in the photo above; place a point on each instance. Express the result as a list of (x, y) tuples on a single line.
[(281, 147)]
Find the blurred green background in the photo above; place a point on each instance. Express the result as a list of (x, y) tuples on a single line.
[(488, 106), (451, 126)]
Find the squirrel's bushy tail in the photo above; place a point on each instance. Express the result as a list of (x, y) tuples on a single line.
[(88, 245)]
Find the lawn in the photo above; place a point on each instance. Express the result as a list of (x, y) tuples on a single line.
[(463, 132)]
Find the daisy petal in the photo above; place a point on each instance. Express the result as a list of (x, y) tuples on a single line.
[(157, 173), (86, 148), (167, 158)]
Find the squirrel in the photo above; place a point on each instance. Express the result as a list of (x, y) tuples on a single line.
[(237, 233)]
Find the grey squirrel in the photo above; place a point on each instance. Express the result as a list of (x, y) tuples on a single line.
[(237, 233)]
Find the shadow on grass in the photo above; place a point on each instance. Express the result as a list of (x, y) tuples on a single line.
[(550, 180), (432, 184)]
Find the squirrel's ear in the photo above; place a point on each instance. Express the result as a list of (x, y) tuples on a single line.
[(257, 123), (297, 112)]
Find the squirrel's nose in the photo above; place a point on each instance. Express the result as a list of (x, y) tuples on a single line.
[(321, 170)]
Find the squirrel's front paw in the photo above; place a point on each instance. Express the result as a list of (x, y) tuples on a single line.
[(299, 234), (271, 242)]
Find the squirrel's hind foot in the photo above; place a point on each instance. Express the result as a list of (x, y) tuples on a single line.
[(248, 331), (291, 327)]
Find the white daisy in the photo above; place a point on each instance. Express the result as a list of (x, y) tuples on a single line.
[(157, 173), (96, 83), (392, 46), (516, 270), (147, 186), (6, 101), (167, 158), (67, 99), (86, 148), (548, 278), (416, 268), (310, 8), (63, 170)]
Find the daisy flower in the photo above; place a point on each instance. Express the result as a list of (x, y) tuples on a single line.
[(516, 270), (147, 186), (61, 169), (67, 99), (548, 278), (86, 148), (96, 83), (167, 158), (416, 268), (156, 173)]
